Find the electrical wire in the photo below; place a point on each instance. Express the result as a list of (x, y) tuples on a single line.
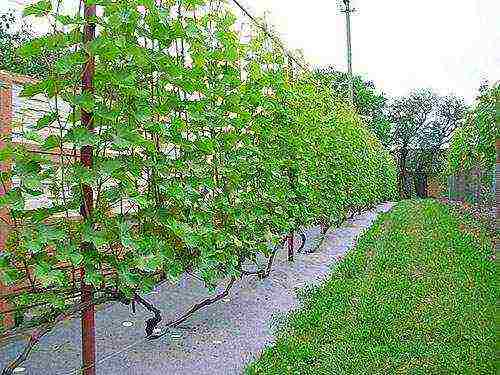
[(269, 34)]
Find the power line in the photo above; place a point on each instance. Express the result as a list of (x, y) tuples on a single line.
[(269, 34), (17, 3)]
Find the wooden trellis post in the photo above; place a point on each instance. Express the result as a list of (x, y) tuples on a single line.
[(290, 247), (86, 156)]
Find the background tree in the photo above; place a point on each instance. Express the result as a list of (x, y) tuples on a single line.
[(421, 125), (369, 103), (480, 130), (14, 32), (474, 143)]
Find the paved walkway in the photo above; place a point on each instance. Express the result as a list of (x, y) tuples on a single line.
[(221, 339)]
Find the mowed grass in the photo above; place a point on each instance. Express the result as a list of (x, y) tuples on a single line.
[(416, 296)]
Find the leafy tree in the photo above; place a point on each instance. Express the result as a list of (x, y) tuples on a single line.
[(422, 123), (369, 103), (474, 143), (13, 33)]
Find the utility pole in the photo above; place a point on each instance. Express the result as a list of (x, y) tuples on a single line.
[(348, 10)]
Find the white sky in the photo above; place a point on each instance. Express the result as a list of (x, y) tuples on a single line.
[(448, 45)]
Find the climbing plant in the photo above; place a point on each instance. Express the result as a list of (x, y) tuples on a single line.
[(369, 102), (206, 150)]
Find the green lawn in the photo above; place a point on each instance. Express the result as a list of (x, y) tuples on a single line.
[(416, 296)]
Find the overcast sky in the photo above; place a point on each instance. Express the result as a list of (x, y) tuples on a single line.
[(448, 45)]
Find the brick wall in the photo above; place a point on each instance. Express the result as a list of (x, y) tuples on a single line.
[(5, 131), (8, 84), (17, 115)]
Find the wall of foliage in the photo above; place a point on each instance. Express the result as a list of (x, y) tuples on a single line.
[(473, 144), (207, 148)]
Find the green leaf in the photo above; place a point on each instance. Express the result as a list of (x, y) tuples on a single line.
[(41, 8), (31, 135), (70, 62), (43, 273), (81, 174), (47, 87), (10, 276), (85, 101), (31, 48), (46, 120), (32, 182), (68, 20), (81, 136), (57, 301), (128, 278), (76, 258), (51, 142), (193, 4), (35, 245), (174, 271), (108, 166), (6, 153), (93, 277), (49, 233), (13, 199), (32, 89), (206, 145), (148, 284), (142, 201), (24, 167), (98, 238), (149, 264)]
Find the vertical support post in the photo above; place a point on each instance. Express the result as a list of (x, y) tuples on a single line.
[(461, 187), (5, 131), (86, 158), (348, 10), (290, 247)]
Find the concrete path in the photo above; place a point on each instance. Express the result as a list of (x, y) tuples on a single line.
[(221, 339)]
